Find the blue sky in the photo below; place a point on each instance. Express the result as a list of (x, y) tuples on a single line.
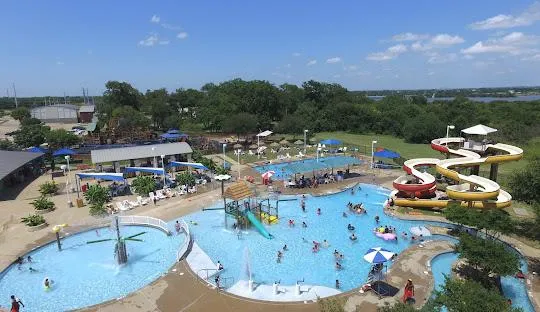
[(52, 47)]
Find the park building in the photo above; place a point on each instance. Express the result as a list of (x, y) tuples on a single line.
[(60, 113)]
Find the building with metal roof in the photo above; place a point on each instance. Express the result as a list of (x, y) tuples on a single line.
[(140, 152), (15, 167), (56, 113)]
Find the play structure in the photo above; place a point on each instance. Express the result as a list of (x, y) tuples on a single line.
[(247, 210), (418, 189)]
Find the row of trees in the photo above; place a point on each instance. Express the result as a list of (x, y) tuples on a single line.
[(239, 106)]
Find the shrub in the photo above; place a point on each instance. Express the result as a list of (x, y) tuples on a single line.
[(143, 185), (185, 178), (33, 220), (43, 203), (48, 188), (97, 196)]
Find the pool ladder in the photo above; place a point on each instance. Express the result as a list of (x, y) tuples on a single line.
[(224, 281)]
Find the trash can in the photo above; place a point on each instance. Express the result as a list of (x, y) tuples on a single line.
[(80, 203)]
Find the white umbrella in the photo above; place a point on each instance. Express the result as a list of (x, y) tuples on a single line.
[(299, 142), (268, 174), (222, 177), (378, 255)]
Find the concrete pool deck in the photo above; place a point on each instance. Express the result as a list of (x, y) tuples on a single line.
[(180, 289)]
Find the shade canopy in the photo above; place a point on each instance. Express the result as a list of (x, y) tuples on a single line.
[(63, 152), (331, 142), (237, 145), (284, 142), (386, 153), (222, 177), (298, 142), (378, 255), (145, 169), (238, 191), (101, 176), (265, 133), (479, 130), (36, 149), (188, 164), (173, 130)]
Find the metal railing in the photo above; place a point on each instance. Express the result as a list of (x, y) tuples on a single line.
[(187, 243), (144, 220), (206, 273)]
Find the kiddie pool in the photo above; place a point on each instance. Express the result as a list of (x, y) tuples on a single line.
[(87, 274)]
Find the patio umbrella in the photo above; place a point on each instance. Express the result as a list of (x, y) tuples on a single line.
[(268, 174), (36, 149), (284, 142), (222, 178), (236, 146), (299, 142), (378, 255), (275, 144), (253, 146), (63, 152)]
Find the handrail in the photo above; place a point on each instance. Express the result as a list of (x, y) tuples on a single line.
[(145, 220), (206, 270), (188, 242), (223, 281)]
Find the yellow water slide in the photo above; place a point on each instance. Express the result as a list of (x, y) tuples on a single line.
[(472, 190)]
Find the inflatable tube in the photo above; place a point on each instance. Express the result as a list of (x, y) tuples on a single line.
[(386, 236)]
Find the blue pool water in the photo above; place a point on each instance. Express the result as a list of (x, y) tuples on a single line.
[(299, 262), (288, 169), (512, 287), (87, 274)]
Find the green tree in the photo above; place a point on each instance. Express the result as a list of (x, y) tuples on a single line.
[(487, 257), (7, 145), (59, 138), (422, 128), (143, 185), (31, 135), (130, 119), (20, 113), (398, 307), (30, 121), (525, 183), (185, 178), (492, 221), (117, 94), (242, 123), (156, 103), (48, 188), (469, 296), (97, 196), (293, 124)]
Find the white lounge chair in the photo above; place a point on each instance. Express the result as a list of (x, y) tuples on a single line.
[(142, 201), (160, 195), (121, 206), (131, 204), (301, 155), (251, 153), (288, 156), (192, 190), (152, 196)]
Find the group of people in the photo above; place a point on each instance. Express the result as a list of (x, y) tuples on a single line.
[(357, 209)]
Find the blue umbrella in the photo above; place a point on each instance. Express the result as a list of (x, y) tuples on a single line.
[(173, 131), (385, 153), (378, 255), (331, 142), (172, 136), (36, 149), (63, 152)]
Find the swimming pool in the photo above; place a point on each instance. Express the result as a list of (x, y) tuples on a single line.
[(87, 274), (299, 262), (288, 169)]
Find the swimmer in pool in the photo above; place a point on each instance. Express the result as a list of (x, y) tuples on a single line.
[(325, 244), (319, 211), (304, 225), (47, 283), (353, 237), (29, 259), (32, 270), (285, 247), (338, 266), (350, 227), (344, 214), (377, 219)]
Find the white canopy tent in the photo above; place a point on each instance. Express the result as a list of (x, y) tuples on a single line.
[(262, 134), (479, 130)]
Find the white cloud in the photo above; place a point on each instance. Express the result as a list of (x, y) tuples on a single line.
[(149, 41), (287, 66), (296, 54), (442, 58), (337, 76), (527, 17), (409, 37), (390, 53), (431, 73), (155, 19), (419, 47), (171, 27), (182, 35), (535, 57), (311, 63), (512, 43), (350, 68), (333, 60), (164, 42), (446, 40), (59, 63), (468, 57)]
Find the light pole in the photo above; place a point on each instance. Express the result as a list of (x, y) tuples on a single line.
[(163, 165), (305, 139), (448, 128), (224, 145), (69, 203), (238, 151), (258, 142), (373, 153), (318, 151), (155, 161)]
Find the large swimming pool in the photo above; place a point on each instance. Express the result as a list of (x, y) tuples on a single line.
[(288, 169), (299, 262), (87, 274)]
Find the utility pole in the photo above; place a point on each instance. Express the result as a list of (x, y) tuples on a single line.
[(15, 96)]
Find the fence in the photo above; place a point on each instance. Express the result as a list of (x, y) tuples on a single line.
[(144, 220), (187, 243)]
